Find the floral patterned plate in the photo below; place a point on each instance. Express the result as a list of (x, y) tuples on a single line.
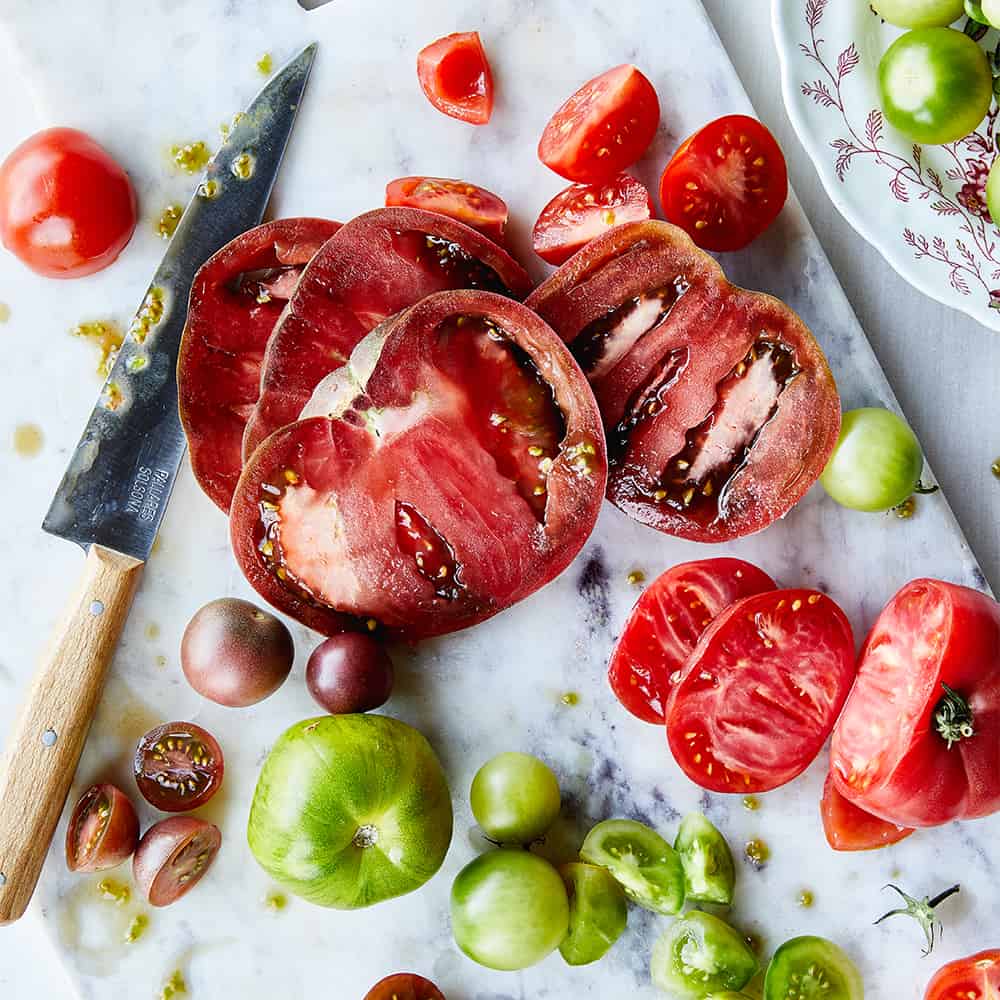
[(922, 207)]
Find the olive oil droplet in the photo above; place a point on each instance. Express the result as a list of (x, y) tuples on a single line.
[(275, 902), (107, 337), (28, 440), (152, 631), (636, 577), (570, 698), (757, 853), (174, 986), (166, 224), (114, 892), (806, 899), (191, 157), (907, 509), (4, 312), (136, 929), (751, 803), (995, 468)]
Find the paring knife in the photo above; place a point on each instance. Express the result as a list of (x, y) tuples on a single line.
[(113, 495)]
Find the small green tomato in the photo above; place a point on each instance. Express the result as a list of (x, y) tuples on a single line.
[(919, 13), (515, 798)]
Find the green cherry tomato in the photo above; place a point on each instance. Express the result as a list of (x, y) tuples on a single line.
[(699, 955), (515, 798), (876, 463), (919, 13), (709, 871), (993, 186), (936, 85), (644, 864), (812, 967), (598, 913), (991, 11), (509, 909)]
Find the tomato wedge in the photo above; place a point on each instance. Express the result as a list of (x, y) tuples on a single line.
[(761, 691), (404, 986), (455, 75), (849, 828), (468, 203), (665, 625), (726, 184), (977, 976)]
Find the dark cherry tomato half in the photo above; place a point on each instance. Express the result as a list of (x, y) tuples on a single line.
[(404, 986), (173, 856), (475, 206), (178, 766), (850, 828), (350, 672), (103, 830), (455, 75), (974, 978)]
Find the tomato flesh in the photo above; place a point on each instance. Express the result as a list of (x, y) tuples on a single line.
[(178, 766), (103, 830), (455, 75), (404, 986), (849, 828), (470, 204), (976, 976)]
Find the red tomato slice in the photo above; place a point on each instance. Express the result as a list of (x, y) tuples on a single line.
[(404, 986), (849, 828), (455, 75), (665, 625), (761, 691), (726, 184), (890, 752), (603, 128), (474, 206), (584, 211), (974, 978)]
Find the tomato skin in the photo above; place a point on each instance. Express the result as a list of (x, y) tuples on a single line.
[(67, 208), (850, 828), (475, 206), (404, 986), (975, 976), (455, 75)]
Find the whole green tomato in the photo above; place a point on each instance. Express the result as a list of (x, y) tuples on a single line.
[(993, 190), (515, 798), (919, 13)]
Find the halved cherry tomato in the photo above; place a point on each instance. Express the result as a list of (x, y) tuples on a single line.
[(575, 216), (977, 976), (404, 986), (665, 625), (178, 766), (475, 206), (455, 75), (103, 830), (603, 128), (172, 857), (726, 184), (849, 828)]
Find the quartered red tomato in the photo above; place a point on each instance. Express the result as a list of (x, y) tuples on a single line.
[(761, 691), (849, 828), (583, 211), (718, 403), (974, 978), (726, 184), (103, 830), (236, 299), (603, 128), (375, 266), (404, 986), (919, 741), (178, 766), (455, 75), (453, 468), (665, 625), (472, 205), (173, 856)]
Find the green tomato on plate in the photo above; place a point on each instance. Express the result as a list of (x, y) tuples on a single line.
[(812, 966), (515, 798), (993, 191), (919, 13)]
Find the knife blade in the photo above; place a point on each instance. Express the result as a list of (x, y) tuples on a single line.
[(115, 490)]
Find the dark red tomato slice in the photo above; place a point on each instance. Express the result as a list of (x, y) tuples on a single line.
[(919, 741), (178, 766), (67, 208), (974, 978), (455, 75), (584, 211), (849, 828), (236, 299), (665, 625), (469, 204), (603, 128), (761, 691), (377, 265), (103, 830), (718, 403), (404, 986), (173, 856), (453, 468), (726, 184)]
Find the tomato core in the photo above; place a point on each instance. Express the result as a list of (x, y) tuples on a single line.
[(953, 717)]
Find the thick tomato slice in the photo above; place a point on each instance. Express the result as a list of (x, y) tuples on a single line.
[(974, 978), (452, 468), (719, 406), (849, 828), (666, 623), (761, 691), (455, 75), (404, 986), (377, 265), (236, 299), (603, 128), (583, 211), (919, 741), (726, 184), (472, 205)]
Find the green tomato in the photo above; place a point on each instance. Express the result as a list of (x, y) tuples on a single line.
[(728, 995), (700, 955), (919, 13), (645, 865), (993, 189), (598, 913), (515, 798), (991, 11), (350, 810), (709, 871), (936, 85), (509, 909), (812, 967), (876, 463)]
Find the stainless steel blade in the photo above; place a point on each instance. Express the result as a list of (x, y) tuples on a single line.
[(116, 487)]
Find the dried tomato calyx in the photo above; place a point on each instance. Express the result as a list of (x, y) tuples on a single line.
[(953, 718), (921, 910)]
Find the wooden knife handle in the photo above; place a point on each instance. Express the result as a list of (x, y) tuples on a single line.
[(48, 737)]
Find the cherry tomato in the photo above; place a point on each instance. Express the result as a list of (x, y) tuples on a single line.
[(575, 216), (455, 75), (515, 798), (173, 856), (67, 208), (475, 206), (665, 625), (919, 13), (603, 128), (103, 830), (178, 766), (849, 828), (404, 986), (976, 976), (350, 672), (726, 184)]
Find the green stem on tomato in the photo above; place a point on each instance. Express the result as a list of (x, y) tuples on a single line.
[(953, 717)]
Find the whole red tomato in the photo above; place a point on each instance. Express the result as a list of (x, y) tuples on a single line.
[(976, 976)]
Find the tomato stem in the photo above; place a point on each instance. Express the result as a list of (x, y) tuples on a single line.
[(921, 910), (953, 717), (925, 491)]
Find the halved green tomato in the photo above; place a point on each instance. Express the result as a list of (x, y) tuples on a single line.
[(643, 863), (709, 871), (598, 913), (812, 968)]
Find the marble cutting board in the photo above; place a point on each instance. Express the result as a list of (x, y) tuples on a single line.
[(142, 77)]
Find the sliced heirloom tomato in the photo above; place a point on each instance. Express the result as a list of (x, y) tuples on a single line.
[(719, 406), (849, 828), (377, 265), (761, 691), (404, 986), (103, 830), (666, 623), (974, 978), (178, 766), (455, 75), (173, 856), (236, 299), (470, 204), (451, 468)]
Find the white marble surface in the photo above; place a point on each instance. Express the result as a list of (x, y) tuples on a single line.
[(497, 687)]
